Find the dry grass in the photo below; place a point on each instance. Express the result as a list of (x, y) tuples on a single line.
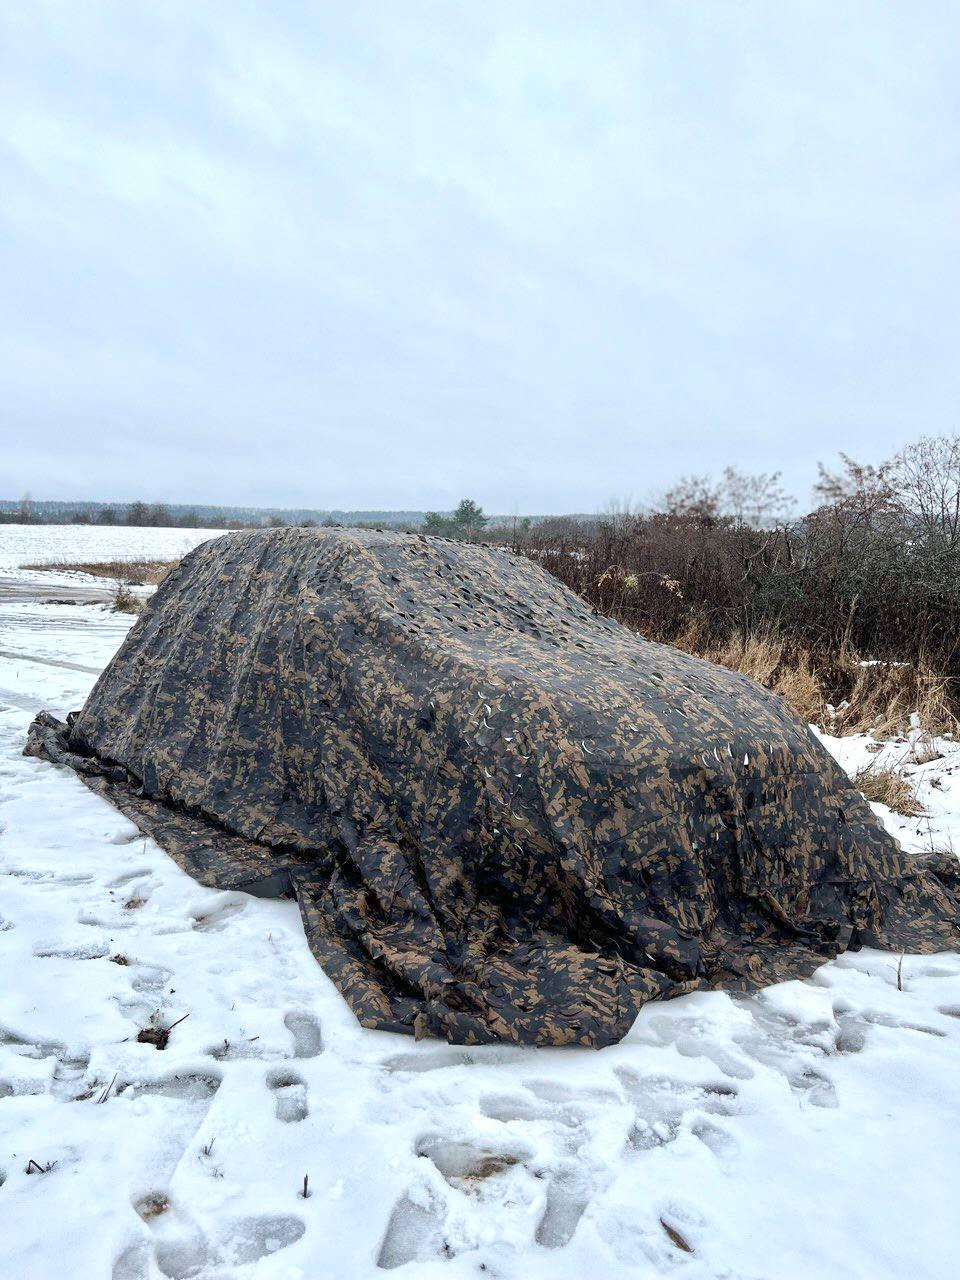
[(924, 750), (842, 694), (134, 573), (772, 662), (768, 660), (884, 696), (890, 787), (124, 600), (157, 1034)]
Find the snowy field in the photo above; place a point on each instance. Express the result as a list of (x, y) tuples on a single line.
[(804, 1133), (22, 544), (27, 544)]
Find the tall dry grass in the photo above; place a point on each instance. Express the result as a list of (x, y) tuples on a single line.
[(889, 786), (134, 573), (840, 693)]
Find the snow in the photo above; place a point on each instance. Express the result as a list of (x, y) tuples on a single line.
[(26, 544), (22, 544), (930, 765), (804, 1131)]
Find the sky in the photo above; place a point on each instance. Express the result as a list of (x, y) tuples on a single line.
[(549, 255)]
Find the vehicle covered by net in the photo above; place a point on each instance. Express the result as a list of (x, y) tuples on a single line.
[(503, 816)]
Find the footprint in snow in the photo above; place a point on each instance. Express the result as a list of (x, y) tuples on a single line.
[(133, 1263), (83, 951), (71, 1065), (96, 921), (863, 1019), (662, 1105), (466, 1165), (567, 1198), (715, 1139), (67, 1080), (303, 1027), (141, 873), (507, 1107), (180, 1248), (307, 1037), (219, 918), (430, 1060), (555, 1091), (185, 1086), (149, 977), (248, 1240), (414, 1232), (239, 1051), (851, 1033), (290, 1092), (925, 969), (126, 835), (691, 1040)]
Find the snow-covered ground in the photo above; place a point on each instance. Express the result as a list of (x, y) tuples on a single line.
[(930, 765), (806, 1132), (22, 544), (27, 544)]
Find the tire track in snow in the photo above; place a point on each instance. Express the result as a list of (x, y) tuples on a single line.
[(50, 662)]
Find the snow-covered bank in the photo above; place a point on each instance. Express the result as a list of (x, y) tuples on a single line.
[(931, 766), (806, 1131)]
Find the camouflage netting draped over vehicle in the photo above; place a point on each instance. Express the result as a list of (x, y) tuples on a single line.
[(504, 817)]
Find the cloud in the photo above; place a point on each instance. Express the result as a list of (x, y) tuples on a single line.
[(546, 255)]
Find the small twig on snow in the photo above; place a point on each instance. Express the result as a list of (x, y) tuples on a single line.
[(105, 1094)]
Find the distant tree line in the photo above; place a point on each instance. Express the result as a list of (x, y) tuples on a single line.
[(163, 515), (467, 521)]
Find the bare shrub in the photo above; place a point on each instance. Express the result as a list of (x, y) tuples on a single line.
[(851, 613), (124, 600)]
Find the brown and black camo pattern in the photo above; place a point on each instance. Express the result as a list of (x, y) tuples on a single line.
[(504, 817)]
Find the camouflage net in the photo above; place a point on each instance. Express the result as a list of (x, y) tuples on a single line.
[(504, 817)]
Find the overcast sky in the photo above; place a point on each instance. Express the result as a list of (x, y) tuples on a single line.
[(548, 255)]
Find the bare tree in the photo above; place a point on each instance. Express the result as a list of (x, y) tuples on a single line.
[(694, 497), (926, 476), (758, 500), (857, 486)]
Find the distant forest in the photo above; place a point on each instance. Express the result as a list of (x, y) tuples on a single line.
[(177, 515)]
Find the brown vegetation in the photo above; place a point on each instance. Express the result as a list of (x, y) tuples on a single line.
[(851, 613), (134, 573), (888, 786), (124, 600), (840, 694)]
